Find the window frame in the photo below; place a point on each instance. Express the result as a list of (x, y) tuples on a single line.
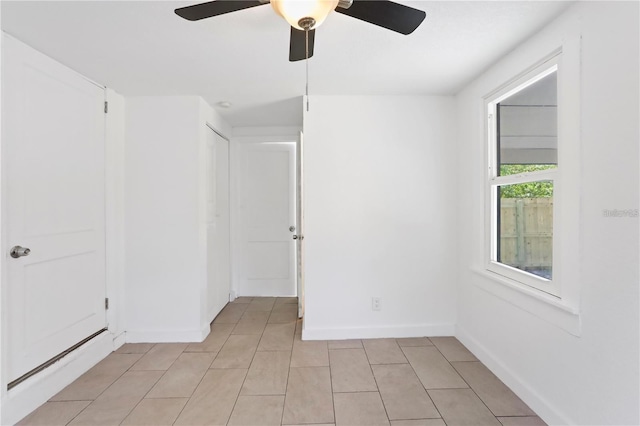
[(515, 276)]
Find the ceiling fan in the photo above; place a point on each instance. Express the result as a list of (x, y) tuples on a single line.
[(305, 16)]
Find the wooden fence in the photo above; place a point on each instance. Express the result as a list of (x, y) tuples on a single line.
[(526, 227)]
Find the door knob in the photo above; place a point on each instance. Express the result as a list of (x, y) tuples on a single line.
[(18, 251), (295, 237), (301, 237), (292, 228)]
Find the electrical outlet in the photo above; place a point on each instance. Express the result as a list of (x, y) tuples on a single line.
[(375, 304)]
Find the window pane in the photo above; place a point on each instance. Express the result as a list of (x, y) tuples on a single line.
[(528, 128), (525, 227)]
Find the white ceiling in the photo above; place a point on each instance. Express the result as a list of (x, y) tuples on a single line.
[(143, 48)]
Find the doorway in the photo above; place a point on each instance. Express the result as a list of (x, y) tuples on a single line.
[(266, 206)]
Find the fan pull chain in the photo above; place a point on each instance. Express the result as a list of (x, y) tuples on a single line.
[(306, 40)]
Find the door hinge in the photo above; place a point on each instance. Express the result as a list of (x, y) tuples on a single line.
[(106, 303), (106, 107)]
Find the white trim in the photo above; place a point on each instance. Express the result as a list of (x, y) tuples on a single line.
[(567, 189), (538, 176), (234, 223), (119, 340), (566, 179), (114, 211), (35, 391), (538, 403), (398, 331), (3, 243), (547, 307), (534, 74), (537, 72), (517, 276), (167, 336)]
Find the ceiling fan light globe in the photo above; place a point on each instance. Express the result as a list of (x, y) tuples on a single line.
[(295, 10)]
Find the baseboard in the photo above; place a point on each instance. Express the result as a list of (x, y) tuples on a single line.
[(545, 410), (35, 391), (344, 333), (167, 336), (118, 341)]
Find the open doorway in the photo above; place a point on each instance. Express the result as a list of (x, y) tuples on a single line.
[(266, 219)]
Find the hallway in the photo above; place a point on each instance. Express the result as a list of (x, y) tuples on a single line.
[(254, 369)]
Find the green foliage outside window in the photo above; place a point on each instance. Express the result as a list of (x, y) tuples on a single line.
[(538, 189)]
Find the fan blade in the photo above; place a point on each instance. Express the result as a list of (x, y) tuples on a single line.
[(392, 16), (215, 8), (297, 44)]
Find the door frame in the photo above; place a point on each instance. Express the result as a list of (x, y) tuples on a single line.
[(300, 224), (36, 390), (266, 136)]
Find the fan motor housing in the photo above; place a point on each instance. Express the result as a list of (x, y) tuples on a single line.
[(307, 23)]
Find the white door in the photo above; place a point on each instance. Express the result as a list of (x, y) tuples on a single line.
[(53, 197), (300, 226), (218, 223), (267, 211)]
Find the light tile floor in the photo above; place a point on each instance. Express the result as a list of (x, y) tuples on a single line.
[(254, 369)]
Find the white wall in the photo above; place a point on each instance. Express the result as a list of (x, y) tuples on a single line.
[(379, 176), (165, 213), (590, 376)]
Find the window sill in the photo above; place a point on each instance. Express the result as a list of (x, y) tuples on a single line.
[(542, 305)]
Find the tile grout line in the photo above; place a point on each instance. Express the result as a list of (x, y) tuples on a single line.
[(333, 400), (205, 373), (386, 413), (201, 379), (146, 393), (154, 383), (168, 397), (464, 380), (289, 373), (425, 389), (105, 389), (74, 417), (286, 386), (245, 376), (519, 416), (476, 393)]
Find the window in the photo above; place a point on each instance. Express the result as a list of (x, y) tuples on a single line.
[(522, 174)]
